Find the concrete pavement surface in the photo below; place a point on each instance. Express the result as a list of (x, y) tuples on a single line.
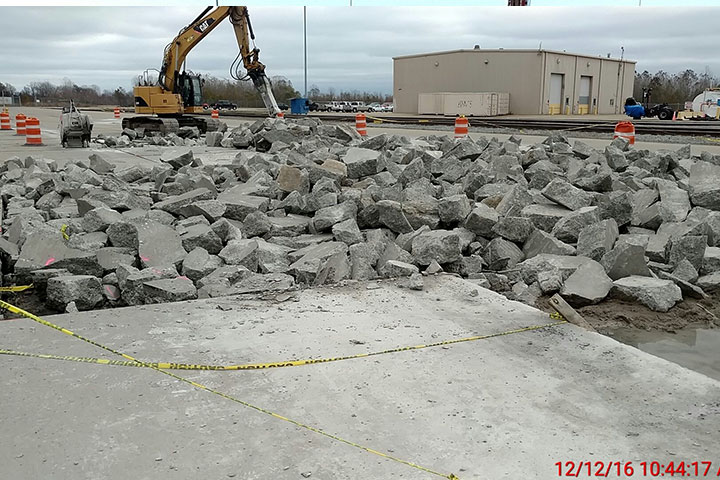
[(506, 407)]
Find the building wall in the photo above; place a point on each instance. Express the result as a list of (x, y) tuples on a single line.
[(524, 74), (518, 74)]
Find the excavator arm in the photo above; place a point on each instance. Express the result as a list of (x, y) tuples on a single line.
[(177, 50)]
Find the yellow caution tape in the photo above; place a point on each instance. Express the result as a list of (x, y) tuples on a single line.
[(63, 230), (266, 366), (200, 386), (712, 139), (18, 288)]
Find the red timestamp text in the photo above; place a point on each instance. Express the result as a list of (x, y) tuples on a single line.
[(648, 469)]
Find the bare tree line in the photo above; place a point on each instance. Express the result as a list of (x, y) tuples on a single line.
[(674, 88)]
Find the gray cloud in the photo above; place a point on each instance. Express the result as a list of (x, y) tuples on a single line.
[(348, 48)]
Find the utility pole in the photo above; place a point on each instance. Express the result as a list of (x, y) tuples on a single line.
[(305, 45)]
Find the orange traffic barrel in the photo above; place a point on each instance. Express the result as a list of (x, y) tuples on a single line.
[(625, 130), (361, 124), (116, 112), (461, 127), (5, 121), (20, 124), (33, 136), (280, 115), (215, 113)]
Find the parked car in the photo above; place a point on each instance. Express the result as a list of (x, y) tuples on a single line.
[(388, 107), (224, 105), (335, 106), (359, 107), (313, 106), (375, 107), (282, 106), (346, 107)]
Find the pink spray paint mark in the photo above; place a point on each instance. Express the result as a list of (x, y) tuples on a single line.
[(183, 277), (50, 260), (144, 259)]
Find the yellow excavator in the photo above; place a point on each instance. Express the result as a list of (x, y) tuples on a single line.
[(177, 94)]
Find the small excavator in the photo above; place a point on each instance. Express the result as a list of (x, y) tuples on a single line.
[(177, 95)]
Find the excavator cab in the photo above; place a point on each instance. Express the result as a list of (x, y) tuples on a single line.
[(189, 86)]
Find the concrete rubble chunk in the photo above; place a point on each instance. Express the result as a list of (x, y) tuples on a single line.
[(175, 204), (596, 240), (159, 245), (84, 290), (568, 228), (241, 252), (99, 219), (395, 268), (201, 236), (306, 267), (513, 201), (565, 264), (335, 269), (361, 162), (454, 209), (325, 218), (391, 215), (674, 202), (169, 290), (347, 231), (515, 229), (540, 242), (110, 258), (123, 234), (685, 270), (178, 158), (501, 254), (689, 247), (563, 193), (550, 281), (709, 282), (656, 294), (625, 260), (587, 285), (711, 261), (443, 246), (544, 217), (293, 179), (481, 220)]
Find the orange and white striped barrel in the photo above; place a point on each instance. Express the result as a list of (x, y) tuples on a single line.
[(361, 124), (116, 112), (625, 130), (33, 135), (5, 121), (461, 127), (280, 115), (20, 124), (215, 113)]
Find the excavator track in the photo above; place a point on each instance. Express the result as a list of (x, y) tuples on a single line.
[(167, 125), (160, 125)]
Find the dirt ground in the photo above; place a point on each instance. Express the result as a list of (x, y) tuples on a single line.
[(612, 314)]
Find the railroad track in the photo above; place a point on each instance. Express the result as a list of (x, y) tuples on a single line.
[(642, 127)]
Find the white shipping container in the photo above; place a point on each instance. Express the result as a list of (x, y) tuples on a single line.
[(485, 104)]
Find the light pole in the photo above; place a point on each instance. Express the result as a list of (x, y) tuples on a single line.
[(305, 45)]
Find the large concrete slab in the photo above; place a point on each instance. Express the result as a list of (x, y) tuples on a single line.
[(506, 407)]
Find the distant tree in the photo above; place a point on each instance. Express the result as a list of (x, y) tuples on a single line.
[(674, 89)]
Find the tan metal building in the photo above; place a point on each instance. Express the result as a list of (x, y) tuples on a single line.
[(538, 81)]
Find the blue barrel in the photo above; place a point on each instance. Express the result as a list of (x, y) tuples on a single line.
[(299, 106), (635, 111)]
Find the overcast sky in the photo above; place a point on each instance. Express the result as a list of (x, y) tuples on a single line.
[(349, 48)]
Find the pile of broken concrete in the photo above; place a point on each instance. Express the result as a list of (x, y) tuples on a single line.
[(306, 203)]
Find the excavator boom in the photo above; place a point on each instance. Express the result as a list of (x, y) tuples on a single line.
[(178, 92)]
